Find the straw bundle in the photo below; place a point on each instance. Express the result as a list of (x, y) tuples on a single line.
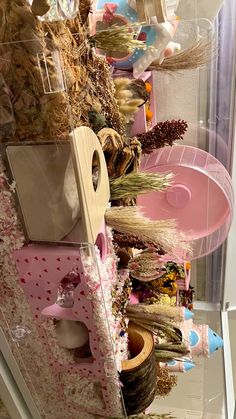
[(49, 75), (156, 311), (138, 183), (162, 233), (196, 56), (117, 39), (173, 347)]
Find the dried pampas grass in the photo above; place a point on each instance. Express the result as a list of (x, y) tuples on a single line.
[(196, 56), (138, 183), (162, 233)]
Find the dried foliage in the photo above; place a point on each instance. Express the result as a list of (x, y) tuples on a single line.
[(156, 311), (36, 58), (129, 240), (121, 156), (172, 346), (85, 7), (165, 381), (162, 134), (138, 183), (146, 266), (196, 56)]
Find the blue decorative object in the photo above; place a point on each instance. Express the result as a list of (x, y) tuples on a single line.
[(188, 314), (171, 363), (193, 338), (188, 365), (215, 341)]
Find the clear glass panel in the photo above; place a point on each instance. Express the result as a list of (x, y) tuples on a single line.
[(37, 319), (57, 308), (65, 309)]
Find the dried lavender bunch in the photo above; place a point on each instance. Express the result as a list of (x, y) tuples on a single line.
[(162, 134)]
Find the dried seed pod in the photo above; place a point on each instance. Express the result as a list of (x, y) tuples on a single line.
[(162, 134)]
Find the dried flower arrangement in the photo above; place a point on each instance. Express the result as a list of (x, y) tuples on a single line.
[(186, 297), (162, 134)]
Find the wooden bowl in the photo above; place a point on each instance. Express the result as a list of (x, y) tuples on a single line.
[(141, 345), (139, 374)]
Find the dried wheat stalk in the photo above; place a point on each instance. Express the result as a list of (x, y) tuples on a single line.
[(196, 56), (138, 183), (117, 38)]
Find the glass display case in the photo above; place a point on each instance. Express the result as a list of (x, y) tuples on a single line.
[(207, 98), (67, 270)]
